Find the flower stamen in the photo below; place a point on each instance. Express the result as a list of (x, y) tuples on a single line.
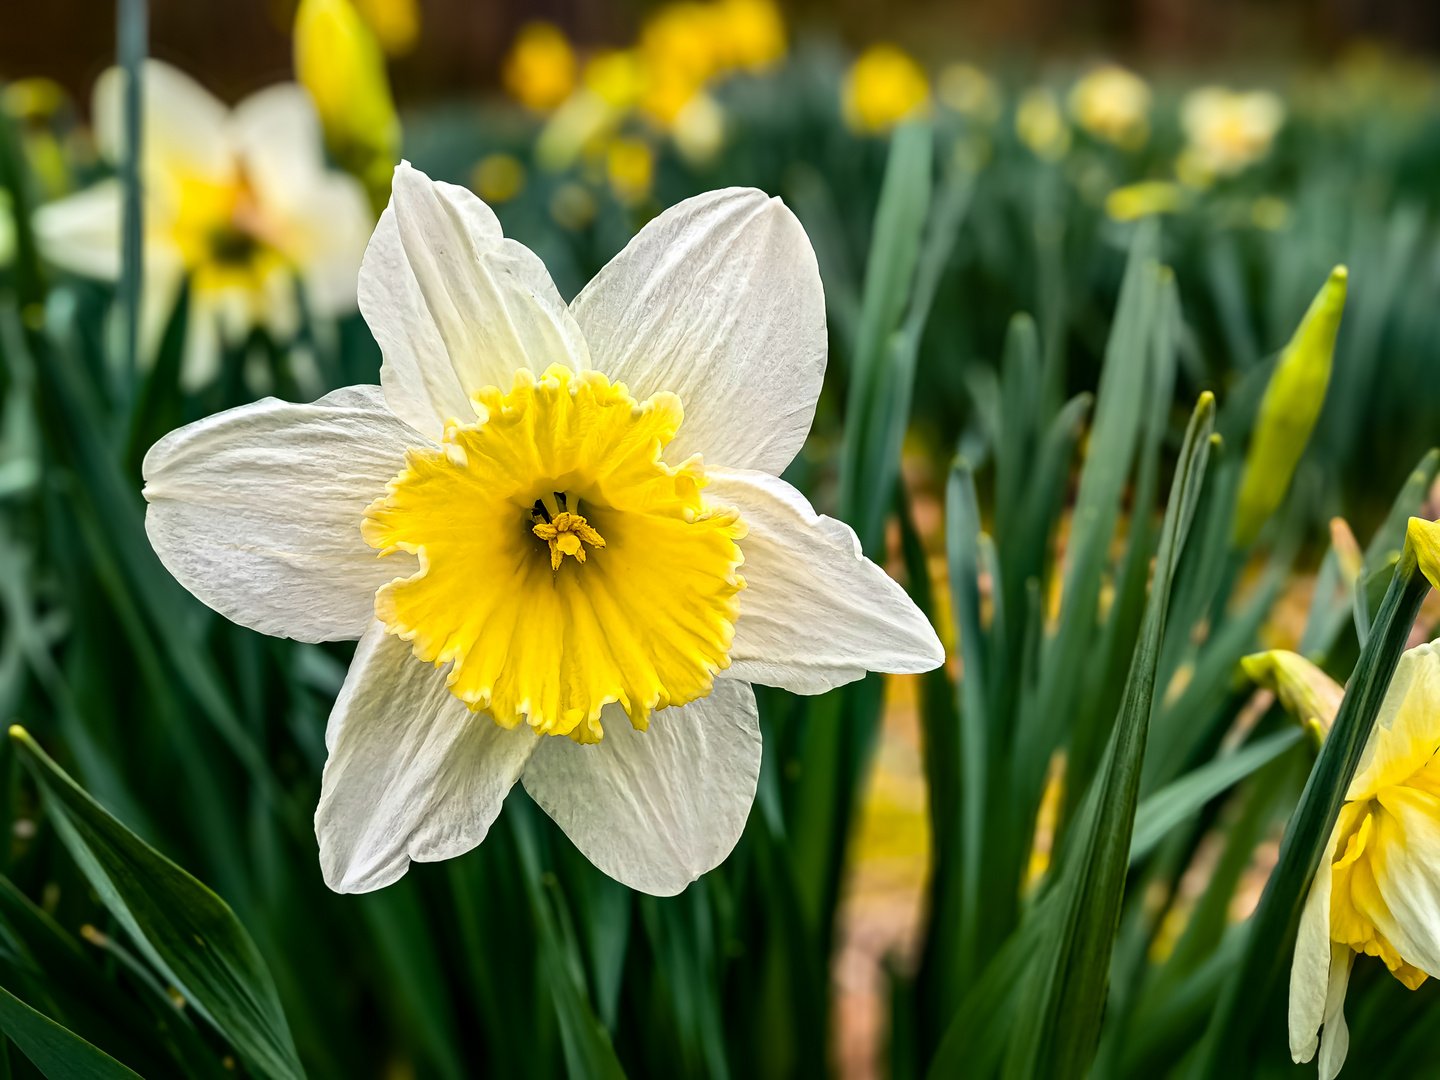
[(565, 533)]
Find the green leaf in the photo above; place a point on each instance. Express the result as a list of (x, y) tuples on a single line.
[(1270, 935), (1118, 410), (56, 1051), (589, 1054), (889, 274), (1172, 804), (187, 932), (1058, 1022)]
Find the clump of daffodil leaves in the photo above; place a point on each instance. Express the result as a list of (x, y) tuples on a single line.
[(547, 521)]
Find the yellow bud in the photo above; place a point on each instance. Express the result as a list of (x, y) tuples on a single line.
[(338, 59), (1423, 538), (1289, 409), (1307, 693)]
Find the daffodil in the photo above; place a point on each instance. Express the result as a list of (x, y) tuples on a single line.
[(1377, 891), (1227, 132), (240, 202), (1113, 104), (1040, 125), (884, 86), (519, 526), (540, 68)]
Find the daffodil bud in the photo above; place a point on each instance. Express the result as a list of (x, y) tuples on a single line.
[(339, 60), (1289, 410), (1423, 538), (1306, 692)]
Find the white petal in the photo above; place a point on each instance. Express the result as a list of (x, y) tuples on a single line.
[(185, 126), (1310, 967), (1335, 1043), (454, 305), (318, 217), (815, 613), (257, 511), (1405, 735), (412, 773), (81, 233), (656, 809), (718, 300)]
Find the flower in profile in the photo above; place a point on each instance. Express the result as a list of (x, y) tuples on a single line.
[(539, 70), (1227, 132), (970, 92), (340, 61), (1113, 104), (1040, 124), (555, 555), (1377, 890), (1307, 693), (884, 86), (239, 202)]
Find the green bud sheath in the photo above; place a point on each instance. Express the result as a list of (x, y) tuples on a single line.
[(1289, 410)]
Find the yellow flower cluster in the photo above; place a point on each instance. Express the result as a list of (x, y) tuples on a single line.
[(683, 49)]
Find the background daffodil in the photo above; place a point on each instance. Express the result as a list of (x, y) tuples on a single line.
[(239, 201), (1378, 887), (563, 498)]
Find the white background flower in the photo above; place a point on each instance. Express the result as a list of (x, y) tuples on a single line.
[(258, 510), (240, 200)]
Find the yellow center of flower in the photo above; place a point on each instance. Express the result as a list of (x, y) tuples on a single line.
[(563, 565), (221, 234)]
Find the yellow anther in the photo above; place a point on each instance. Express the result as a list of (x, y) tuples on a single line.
[(564, 535)]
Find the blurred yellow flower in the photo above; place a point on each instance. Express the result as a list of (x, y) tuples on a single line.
[(1378, 884), (396, 23), (1040, 125), (1134, 201), (572, 206), (7, 229), (498, 178), (539, 71), (970, 92), (617, 76), (1269, 213), (338, 59), (1113, 104), (699, 129), (752, 33), (630, 168), (883, 87), (238, 201), (1227, 132)]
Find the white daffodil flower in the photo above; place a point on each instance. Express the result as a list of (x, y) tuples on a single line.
[(554, 554), (1378, 887), (240, 201)]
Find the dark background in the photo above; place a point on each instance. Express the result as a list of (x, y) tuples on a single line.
[(241, 45)]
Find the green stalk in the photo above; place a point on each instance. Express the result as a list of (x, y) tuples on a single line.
[(131, 31)]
